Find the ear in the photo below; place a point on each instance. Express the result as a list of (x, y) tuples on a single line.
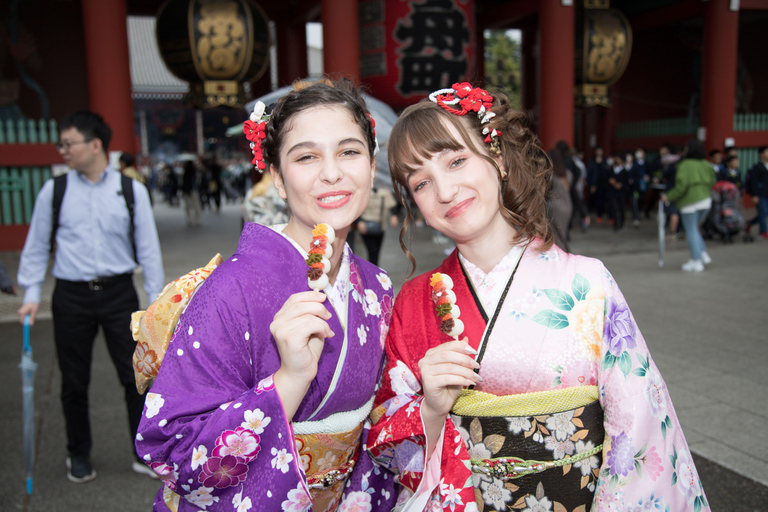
[(502, 167), (278, 181), (373, 172), (97, 146)]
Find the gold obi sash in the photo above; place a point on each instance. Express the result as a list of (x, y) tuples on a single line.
[(328, 460), (547, 443)]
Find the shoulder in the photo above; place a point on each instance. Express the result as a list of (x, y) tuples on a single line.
[(556, 265)]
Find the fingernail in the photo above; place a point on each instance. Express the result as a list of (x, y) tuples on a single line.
[(470, 349), (479, 378)]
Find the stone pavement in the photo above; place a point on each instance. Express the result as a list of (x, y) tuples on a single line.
[(706, 333)]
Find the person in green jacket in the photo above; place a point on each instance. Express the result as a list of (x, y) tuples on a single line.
[(692, 194)]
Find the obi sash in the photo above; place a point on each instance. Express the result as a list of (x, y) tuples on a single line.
[(533, 445)]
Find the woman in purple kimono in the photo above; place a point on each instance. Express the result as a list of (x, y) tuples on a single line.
[(264, 391)]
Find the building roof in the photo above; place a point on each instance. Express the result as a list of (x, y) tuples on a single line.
[(150, 78)]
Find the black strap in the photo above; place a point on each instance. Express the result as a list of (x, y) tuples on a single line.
[(130, 202), (60, 186), (484, 342)]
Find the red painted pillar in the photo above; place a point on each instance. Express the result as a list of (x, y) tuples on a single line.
[(291, 52), (556, 35), (109, 72), (720, 49), (341, 38)]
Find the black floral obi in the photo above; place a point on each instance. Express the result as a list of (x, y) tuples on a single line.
[(541, 448)]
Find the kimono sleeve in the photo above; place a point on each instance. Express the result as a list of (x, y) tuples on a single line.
[(396, 440), (214, 432), (646, 459)]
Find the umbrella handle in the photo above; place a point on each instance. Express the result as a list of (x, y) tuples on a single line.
[(27, 348)]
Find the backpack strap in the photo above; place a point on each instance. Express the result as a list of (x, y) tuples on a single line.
[(127, 185), (59, 187)]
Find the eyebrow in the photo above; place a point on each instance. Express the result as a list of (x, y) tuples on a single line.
[(310, 144)]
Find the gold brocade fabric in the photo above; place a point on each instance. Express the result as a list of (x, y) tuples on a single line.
[(323, 453)]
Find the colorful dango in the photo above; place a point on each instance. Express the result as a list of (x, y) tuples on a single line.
[(445, 305), (319, 251)]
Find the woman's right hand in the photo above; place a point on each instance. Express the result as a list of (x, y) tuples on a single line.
[(445, 370), (299, 329)]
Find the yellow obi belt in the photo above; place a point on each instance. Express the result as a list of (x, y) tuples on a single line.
[(546, 443)]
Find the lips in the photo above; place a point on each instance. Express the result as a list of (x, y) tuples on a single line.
[(459, 208), (333, 199)]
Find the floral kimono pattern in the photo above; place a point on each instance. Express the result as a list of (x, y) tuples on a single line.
[(563, 326), (214, 429)]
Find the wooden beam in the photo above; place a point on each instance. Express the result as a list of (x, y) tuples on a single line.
[(679, 11), (505, 14)]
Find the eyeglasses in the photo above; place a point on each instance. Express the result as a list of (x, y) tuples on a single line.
[(66, 145)]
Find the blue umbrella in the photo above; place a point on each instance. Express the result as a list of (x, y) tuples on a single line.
[(28, 369)]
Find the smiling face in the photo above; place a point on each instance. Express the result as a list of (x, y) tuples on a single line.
[(457, 191), (325, 174)]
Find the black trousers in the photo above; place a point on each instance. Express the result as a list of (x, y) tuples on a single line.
[(79, 308), (373, 245)]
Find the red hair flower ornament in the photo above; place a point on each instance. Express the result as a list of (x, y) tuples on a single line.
[(462, 99), (255, 131)]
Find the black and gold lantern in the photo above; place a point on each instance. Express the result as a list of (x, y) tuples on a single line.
[(603, 47), (215, 45)]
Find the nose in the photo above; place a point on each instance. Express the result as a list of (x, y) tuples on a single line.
[(446, 190), (331, 172)]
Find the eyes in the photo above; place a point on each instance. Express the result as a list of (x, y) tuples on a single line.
[(419, 179), (345, 153)]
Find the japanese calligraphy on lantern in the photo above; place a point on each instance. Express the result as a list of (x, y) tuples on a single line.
[(411, 48)]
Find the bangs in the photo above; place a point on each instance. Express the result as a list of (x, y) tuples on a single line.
[(419, 134)]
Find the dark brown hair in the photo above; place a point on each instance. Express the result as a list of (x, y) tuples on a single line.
[(421, 132), (305, 95)]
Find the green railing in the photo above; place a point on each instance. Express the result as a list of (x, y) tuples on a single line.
[(750, 122), (686, 126), (19, 186), (657, 127)]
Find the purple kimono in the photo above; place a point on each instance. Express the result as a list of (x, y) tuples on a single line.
[(214, 428)]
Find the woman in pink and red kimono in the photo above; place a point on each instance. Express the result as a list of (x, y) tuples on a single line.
[(516, 376), (264, 391)]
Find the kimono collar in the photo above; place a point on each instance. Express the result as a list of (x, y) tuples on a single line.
[(490, 286)]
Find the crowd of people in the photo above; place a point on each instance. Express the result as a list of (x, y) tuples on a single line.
[(343, 397), (631, 185)]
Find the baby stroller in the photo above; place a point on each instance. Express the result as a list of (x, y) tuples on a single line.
[(726, 217)]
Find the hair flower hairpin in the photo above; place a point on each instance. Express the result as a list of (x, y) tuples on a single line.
[(462, 99), (255, 130), (375, 139)]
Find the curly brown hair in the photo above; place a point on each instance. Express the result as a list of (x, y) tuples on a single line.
[(422, 131)]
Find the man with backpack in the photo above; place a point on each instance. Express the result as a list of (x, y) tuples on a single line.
[(99, 226)]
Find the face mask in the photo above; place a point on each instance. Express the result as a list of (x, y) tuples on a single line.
[(638, 156)]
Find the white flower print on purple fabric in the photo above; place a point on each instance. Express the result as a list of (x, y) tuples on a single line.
[(199, 456), (298, 500), (384, 281), (362, 335), (356, 281), (255, 421), (281, 459), (386, 317), (621, 457), (372, 303), (357, 501), (153, 403), (240, 504), (202, 497)]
